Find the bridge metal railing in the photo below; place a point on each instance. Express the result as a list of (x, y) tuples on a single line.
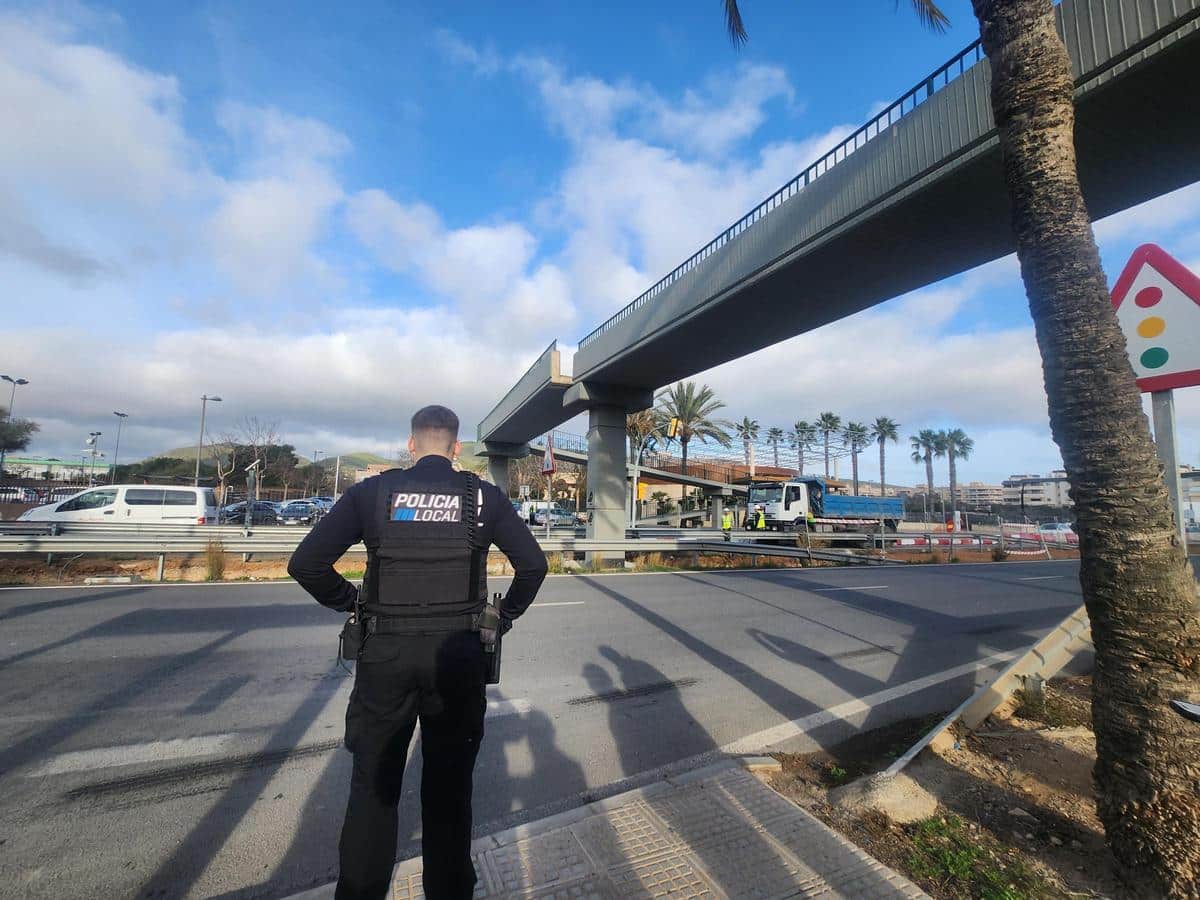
[(894, 112)]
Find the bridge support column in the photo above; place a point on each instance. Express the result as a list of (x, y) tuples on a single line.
[(498, 455), (498, 472), (606, 471), (717, 497)]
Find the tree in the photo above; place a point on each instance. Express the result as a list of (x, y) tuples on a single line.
[(801, 439), (856, 436), (882, 431), (694, 407), (924, 446), (15, 434), (954, 445), (827, 424), (643, 426), (747, 430), (1137, 585), (774, 436)]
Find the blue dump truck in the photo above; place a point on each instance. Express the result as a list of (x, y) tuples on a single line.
[(787, 505)]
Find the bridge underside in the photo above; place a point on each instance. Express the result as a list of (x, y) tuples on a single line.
[(955, 218)]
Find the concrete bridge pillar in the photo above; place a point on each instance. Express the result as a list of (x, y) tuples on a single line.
[(606, 469), (498, 472), (606, 472), (498, 454), (717, 497)]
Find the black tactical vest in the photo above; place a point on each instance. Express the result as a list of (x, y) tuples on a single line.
[(422, 562)]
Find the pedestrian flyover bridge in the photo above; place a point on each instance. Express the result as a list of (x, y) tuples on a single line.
[(913, 196)]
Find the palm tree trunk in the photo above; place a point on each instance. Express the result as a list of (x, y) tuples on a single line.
[(1139, 591), (854, 465), (775, 451), (800, 458), (882, 483), (953, 483), (827, 456), (683, 443), (929, 477)]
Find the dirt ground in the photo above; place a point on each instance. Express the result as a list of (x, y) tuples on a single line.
[(67, 569), (1016, 815)]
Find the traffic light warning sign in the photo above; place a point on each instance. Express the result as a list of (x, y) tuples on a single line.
[(1158, 305)]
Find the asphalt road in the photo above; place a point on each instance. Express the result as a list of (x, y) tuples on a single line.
[(183, 741)]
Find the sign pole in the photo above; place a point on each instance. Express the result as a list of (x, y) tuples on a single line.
[(1162, 404)]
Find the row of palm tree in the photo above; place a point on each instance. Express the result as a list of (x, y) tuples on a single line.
[(953, 444), (695, 407)]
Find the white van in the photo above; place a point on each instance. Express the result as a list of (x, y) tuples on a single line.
[(131, 503)]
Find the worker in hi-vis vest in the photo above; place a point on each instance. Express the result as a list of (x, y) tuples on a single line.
[(760, 519)]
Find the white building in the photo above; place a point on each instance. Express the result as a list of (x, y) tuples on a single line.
[(1037, 490), (976, 493)]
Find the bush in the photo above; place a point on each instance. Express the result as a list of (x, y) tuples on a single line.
[(999, 554), (214, 560), (554, 563)]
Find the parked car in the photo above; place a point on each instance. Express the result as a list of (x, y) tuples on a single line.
[(300, 512), (1058, 532), (559, 516), (133, 503), (264, 513)]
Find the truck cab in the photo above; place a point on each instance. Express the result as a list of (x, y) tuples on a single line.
[(788, 505)]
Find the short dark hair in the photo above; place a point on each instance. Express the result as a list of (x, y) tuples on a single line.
[(435, 418)]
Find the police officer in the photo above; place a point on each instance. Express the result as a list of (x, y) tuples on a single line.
[(427, 530)]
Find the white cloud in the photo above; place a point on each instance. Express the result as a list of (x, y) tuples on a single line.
[(488, 270), (356, 384), (269, 217)]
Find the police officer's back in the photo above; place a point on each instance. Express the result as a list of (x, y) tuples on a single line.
[(427, 530)]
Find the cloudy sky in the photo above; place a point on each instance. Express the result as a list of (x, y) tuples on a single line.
[(332, 216)]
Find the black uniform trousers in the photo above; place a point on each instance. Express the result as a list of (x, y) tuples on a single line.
[(438, 679)]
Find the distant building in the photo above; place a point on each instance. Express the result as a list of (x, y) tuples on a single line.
[(1038, 490), (371, 470), (58, 469), (976, 493)]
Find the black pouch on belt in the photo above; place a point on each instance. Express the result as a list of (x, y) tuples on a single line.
[(487, 623), (350, 641)]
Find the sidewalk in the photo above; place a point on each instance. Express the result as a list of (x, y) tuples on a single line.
[(716, 832)]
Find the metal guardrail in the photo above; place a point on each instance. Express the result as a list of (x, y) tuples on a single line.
[(891, 114)]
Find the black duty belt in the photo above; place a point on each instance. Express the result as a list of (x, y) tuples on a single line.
[(418, 624)]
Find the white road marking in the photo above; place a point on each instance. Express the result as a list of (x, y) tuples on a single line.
[(561, 603), (1041, 577), (134, 754), (853, 587), (769, 737), (187, 748), (497, 708)]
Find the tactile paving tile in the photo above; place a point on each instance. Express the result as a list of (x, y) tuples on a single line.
[(410, 887), (750, 865), (623, 835), (594, 887), (672, 875), (697, 815), (749, 796), (550, 859)]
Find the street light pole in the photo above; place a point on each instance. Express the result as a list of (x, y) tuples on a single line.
[(12, 398), (121, 417), (200, 446), (93, 442)]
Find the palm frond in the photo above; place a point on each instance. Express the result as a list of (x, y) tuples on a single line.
[(930, 15), (734, 24)]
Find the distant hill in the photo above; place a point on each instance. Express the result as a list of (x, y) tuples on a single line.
[(357, 460)]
